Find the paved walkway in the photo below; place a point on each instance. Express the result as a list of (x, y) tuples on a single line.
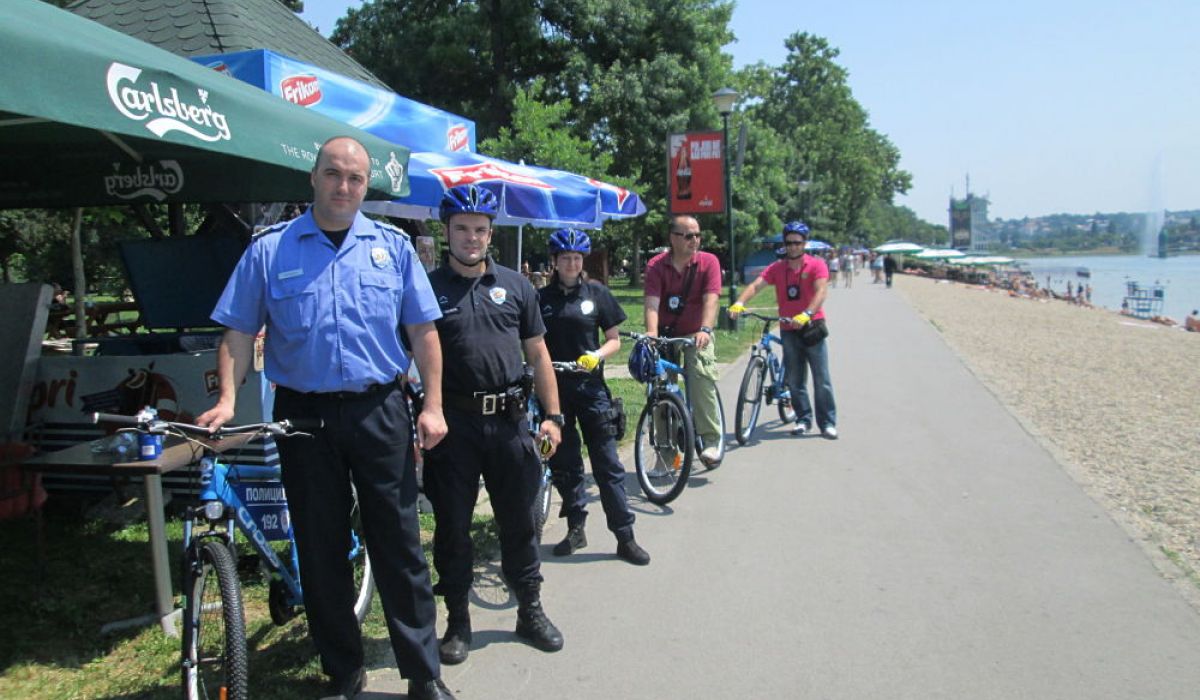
[(935, 551)]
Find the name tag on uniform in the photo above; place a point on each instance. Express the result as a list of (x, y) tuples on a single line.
[(450, 312), (291, 273)]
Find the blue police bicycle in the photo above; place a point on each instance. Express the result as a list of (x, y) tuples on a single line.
[(755, 386), (213, 655), (666, 440)]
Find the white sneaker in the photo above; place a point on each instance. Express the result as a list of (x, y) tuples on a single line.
[(710, 455), (801, 428), (830, 432)]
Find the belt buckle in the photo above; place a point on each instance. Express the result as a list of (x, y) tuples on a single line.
[(489, 404)]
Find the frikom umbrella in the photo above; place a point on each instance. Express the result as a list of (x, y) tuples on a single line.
[(816, 245), (91, 116)]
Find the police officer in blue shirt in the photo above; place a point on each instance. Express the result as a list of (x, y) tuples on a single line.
[(333, 289), (576, 311), (489, 320)]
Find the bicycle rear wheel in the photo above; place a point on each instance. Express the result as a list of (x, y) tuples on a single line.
[(720, 444), (787, 412), (662, 449), (364, 583), (214, 631), (541, 506), (745, 416)]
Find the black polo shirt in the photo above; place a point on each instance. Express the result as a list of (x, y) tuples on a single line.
[(484, 319), (576, 318)]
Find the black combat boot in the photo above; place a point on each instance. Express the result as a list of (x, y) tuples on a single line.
[(456, 643), (532, 623), (576, 539)]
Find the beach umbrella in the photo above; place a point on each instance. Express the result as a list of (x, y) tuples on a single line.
[(939, 254), (529, 195), (816, 245), (898, 247), (442, 144), (90, 116), (981, 260)]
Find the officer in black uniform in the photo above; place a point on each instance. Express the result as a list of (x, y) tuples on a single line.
[(489, 318), (575, 310)]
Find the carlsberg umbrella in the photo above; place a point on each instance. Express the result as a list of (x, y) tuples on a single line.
[(91, 116)]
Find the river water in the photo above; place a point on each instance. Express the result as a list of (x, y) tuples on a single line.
[(1179, 276)]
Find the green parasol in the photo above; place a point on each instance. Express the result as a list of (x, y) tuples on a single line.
[(90, 116)]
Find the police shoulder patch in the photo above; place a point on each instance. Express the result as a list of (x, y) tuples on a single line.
[(273, 228), (385, 227)]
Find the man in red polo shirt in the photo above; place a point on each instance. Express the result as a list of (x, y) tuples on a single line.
[(683, 285), (800, 286)]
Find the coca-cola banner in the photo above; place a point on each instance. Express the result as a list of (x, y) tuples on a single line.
[(696, 172)]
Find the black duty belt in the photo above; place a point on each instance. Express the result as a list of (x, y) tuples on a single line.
[(371, 390), (482, 402)]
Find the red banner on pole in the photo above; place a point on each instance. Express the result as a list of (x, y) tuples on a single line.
[(696, 172)]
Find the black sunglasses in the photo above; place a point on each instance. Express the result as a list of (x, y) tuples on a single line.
[(793, 243), (688, 236)]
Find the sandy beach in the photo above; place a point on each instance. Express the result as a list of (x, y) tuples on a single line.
[(1115, 399)]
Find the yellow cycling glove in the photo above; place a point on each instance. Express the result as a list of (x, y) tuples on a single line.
[(801, 318), (737, 308), (588, 361)]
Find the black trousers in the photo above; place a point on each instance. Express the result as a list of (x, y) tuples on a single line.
[(585, 401), (501, 450), (367, 439)]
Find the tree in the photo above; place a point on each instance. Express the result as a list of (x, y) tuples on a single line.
[(840, 165)]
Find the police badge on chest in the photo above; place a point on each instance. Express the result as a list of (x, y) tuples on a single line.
[(673, 303)]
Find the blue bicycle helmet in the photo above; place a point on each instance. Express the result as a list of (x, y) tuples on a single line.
[(796, 227), (569, 240), (468, 199), (643, 361)]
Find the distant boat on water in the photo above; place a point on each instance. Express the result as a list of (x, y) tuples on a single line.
[(1083, 272)]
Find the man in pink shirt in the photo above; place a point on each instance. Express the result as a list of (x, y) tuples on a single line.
[(683, 285), (800, 286)]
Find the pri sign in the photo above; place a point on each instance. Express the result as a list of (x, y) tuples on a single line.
[(696, 172)]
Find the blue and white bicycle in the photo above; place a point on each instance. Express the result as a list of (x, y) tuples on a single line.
[(214, 663)]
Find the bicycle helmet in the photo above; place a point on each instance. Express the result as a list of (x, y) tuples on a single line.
[(643, 361), (468, 199), (796, 227), (569, 240)]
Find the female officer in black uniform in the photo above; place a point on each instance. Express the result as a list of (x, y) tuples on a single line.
[(574, 309)]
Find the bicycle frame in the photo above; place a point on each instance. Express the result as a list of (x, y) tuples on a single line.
[(216, 481)]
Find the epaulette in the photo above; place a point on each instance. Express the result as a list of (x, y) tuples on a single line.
[(273, 228), (384, 226)]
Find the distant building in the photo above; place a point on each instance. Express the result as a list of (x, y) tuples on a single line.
[(969, 228)]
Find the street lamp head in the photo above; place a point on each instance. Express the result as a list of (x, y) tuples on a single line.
[(723, 99)]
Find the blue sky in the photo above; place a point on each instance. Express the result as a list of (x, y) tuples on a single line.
[(1051, 106)]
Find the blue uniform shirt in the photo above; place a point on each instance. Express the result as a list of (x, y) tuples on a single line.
[(332, 315)]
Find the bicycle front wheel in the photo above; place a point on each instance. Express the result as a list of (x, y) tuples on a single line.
[(663, 448), (214, 631), (745, 416)]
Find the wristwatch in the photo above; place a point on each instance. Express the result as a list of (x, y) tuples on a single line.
[(706, 329), (557, 418)]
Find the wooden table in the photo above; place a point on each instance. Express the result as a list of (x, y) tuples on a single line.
[(176, 454)]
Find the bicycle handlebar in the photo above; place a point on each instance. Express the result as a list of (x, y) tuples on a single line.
[(569, 367), (657, 340), (158, 426), (768, 319)]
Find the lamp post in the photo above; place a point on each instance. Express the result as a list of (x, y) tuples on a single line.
[(723, 100)]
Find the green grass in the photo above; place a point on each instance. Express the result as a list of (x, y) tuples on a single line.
[(97, 573)]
